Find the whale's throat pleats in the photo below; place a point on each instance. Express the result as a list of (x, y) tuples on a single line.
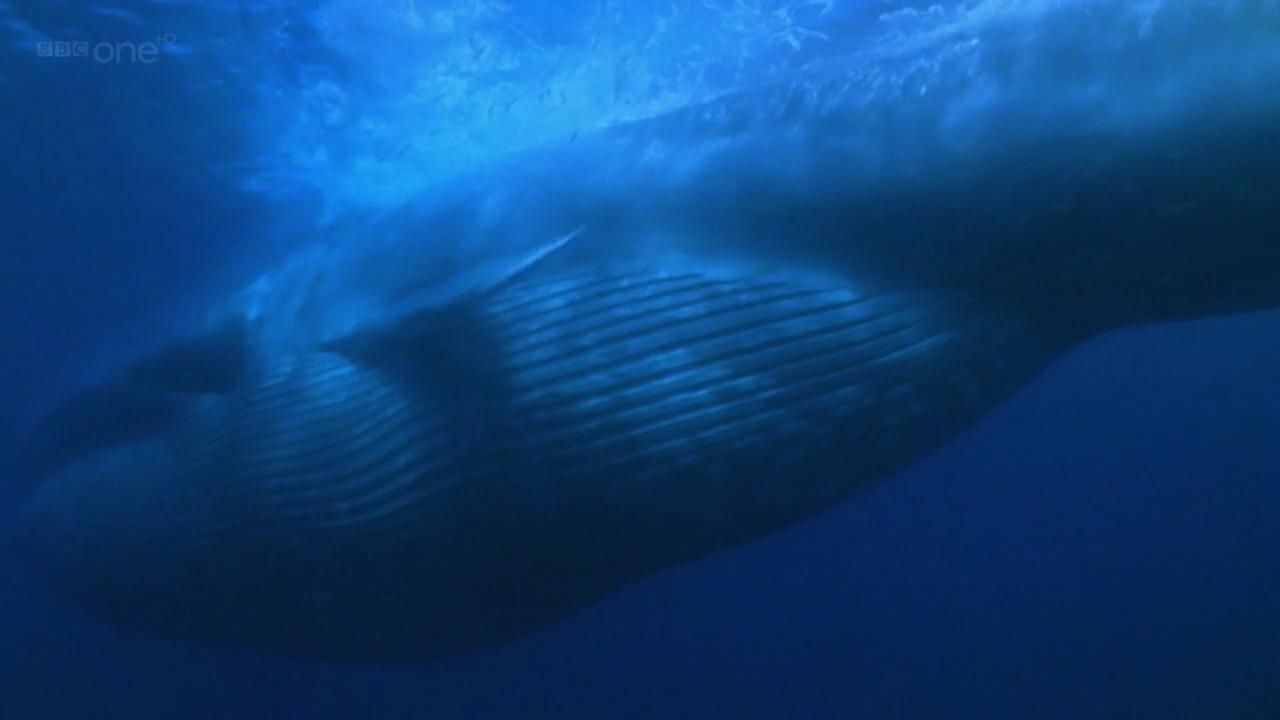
[(451, 489)]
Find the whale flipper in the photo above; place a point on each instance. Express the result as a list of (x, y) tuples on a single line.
[(111, 413), (147, 396), (435, 315), (140, 401), (208, 363)]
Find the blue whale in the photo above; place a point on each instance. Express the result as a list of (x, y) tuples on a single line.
[(463, 420)]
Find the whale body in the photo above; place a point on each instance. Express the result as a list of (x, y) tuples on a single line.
[(557, 375), (592, 428)]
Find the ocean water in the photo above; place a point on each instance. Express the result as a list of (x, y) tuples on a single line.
[(1105, 544)]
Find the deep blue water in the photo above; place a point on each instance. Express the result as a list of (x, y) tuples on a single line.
[(1105, 545)]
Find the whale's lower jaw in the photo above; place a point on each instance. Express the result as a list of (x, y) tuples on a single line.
[(561, 439)]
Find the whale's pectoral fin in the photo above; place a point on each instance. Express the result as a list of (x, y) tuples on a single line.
[(111, 413), (498, 274), (438, 316), (140, 401), (211, 363)]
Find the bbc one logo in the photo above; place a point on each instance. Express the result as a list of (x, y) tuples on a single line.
[(143, 53)]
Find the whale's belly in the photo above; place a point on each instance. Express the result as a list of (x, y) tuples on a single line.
[(517, 461)]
